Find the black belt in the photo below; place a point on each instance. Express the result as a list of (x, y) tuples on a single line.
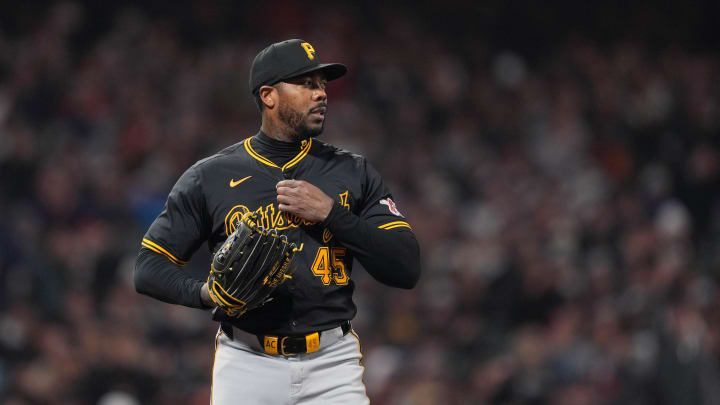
[(288, 345)]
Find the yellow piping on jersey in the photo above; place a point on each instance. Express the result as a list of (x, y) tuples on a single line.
[(299, 157), (262, 159), (159, 249), (254, 154), (396, 224)]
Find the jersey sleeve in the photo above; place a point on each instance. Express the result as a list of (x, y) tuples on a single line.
[(378, 207), (183, 225), (378, 235)]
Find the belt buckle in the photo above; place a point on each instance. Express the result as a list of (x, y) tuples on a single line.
[(282, 347)]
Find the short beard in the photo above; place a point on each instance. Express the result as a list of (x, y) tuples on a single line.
[(297, 123)]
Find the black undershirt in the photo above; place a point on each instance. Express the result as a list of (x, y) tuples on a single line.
[(279, 152)]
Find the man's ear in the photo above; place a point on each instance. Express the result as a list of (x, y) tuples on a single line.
[(268, 96)]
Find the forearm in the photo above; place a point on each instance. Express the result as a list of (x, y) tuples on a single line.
[(391, 257), (157, 277)]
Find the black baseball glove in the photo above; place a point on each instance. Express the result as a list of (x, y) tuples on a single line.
[(248, 267)]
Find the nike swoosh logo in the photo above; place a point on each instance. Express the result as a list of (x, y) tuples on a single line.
[(234, 183)]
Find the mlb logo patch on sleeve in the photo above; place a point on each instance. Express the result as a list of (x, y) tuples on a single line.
[(391, 206)]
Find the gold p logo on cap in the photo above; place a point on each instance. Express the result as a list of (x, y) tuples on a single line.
[(309, 50)]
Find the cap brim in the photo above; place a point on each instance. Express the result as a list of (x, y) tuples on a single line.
[(332, 71)]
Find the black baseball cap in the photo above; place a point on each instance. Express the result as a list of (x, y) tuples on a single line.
[(286, 59)]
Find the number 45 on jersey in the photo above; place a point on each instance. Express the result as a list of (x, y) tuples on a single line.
[(329, 265)]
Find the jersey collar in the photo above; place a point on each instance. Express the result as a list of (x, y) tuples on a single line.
[(275, 147)]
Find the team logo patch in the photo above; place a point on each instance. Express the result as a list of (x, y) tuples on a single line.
[(391, 206)]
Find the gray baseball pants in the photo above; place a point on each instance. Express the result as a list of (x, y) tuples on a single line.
[(243, 373)]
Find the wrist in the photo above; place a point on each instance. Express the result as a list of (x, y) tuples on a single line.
[(330, 215), (328, 209), (205, 299)]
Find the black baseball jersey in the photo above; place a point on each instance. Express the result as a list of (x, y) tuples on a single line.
[(209, 198)]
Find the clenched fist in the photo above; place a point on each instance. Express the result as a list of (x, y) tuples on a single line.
[(304, 200)]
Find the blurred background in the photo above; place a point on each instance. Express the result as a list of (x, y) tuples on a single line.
[(559, 163)]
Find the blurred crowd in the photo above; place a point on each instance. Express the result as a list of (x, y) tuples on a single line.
[(567, 208)]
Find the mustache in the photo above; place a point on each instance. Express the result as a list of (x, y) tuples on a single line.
[(317, 108)]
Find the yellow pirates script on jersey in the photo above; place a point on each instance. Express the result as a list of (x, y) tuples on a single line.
[(269, 217)]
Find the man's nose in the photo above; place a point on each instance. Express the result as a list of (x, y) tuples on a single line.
[(319, 94)]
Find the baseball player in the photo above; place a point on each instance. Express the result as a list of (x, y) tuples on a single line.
[(299, 347)]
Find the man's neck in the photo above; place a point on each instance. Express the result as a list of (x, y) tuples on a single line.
[(277, 132)]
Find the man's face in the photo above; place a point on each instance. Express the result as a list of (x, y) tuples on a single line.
[(303, 103)]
